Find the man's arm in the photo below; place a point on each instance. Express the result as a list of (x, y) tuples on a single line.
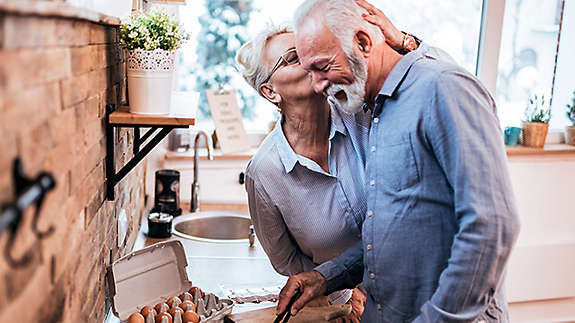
[(463, 131), (272, 232), (345, 271)]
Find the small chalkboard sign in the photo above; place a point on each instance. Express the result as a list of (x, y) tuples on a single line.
[(228, 120)]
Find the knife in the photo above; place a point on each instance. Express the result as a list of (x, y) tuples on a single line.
[(287, 312)]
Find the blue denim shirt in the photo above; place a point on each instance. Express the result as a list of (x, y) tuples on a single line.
[(441, 218)]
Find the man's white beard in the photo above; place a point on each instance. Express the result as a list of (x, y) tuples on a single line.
[(354, 92)]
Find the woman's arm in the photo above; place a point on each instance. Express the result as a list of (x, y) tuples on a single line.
[(273, 234), (396, 39)]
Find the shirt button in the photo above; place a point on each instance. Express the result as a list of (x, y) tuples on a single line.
[(368, 247), (372, 275), (372, 148), (369, 213), (347, 210), (372, 182), (379, 307), (375, 120)]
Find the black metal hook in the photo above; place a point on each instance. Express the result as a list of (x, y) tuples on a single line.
[(27, 192)]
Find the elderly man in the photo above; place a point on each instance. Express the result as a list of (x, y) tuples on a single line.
[(441, 217)]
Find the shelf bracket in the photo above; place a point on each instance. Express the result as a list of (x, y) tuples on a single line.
[(140, 150)]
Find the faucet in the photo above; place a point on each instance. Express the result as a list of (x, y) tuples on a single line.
[(195, 204)]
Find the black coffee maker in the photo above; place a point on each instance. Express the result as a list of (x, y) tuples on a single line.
[(167, 192)]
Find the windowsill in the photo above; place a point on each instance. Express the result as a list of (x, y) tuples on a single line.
[(549, 149), (56, 9)]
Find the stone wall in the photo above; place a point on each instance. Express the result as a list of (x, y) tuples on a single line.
[(56, 76)]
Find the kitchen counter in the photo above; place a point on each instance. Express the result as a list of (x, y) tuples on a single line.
[(217, 267)]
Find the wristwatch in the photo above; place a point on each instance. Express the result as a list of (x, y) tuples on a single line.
[(409, 43)]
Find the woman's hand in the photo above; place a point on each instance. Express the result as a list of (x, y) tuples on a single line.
[(357, 302), (393, 36)]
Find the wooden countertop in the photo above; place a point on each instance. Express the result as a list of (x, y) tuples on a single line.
[(553, 149)]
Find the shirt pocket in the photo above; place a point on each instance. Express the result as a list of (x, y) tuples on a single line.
[(398, 165)]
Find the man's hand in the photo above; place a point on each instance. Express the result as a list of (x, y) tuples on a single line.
[(311, 284), (393, 36), (357, 302)]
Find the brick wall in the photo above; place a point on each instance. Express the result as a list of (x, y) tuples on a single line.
[(56, 76)]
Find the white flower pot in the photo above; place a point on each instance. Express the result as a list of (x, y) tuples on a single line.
[(150, 75)]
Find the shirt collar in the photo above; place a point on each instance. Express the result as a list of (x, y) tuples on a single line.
[(337, 124), (287, 155), (397, 74), (399, 71)]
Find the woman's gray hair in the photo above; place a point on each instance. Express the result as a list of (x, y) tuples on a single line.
[(249, 57), (343, 18)]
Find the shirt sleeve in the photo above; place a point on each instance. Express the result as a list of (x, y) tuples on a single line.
[(463, 132), (345, 271), (272, 232)]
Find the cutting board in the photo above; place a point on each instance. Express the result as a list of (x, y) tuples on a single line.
[(321, 314)]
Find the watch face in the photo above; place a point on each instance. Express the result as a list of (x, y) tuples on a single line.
[(409, 43)]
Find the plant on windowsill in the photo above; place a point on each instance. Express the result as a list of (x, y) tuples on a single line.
[(151, 40), (536, 122), (570, 130)]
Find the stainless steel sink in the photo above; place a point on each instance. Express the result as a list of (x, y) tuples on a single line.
[(213, 226)]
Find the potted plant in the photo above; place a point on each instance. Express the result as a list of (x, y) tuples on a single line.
[(570, 130), (150, 40), (536, 121)]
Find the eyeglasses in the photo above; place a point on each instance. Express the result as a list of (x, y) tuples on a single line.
[(289, 57)]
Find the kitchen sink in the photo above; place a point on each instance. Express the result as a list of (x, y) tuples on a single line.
[(213, 226)]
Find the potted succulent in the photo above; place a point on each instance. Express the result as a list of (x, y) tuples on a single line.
[(150, 40), (570, 130), (536, 121)]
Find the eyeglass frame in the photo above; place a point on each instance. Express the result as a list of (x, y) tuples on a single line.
[(278, 64)]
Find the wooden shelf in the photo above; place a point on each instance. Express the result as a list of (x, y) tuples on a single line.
[(547, 150), (124, 117), (160, 126)]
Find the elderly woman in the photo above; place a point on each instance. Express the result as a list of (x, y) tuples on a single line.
[(306, 183)]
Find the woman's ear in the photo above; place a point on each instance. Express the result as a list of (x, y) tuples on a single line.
[(364, 42), (268, 91)]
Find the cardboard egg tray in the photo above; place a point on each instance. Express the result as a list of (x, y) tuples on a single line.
[(154, 274)]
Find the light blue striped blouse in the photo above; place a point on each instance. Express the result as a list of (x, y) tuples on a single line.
[(304, 216)]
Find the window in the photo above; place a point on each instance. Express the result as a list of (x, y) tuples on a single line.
[(436, 24), (527, 57), (218, 23)]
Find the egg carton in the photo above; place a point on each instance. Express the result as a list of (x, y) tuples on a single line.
[(212, 309), (164, 264)]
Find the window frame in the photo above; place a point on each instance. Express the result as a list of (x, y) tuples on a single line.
[(487, 67)]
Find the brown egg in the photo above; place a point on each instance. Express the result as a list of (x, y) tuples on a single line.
[(185, 305), (161, 308), (161, 316), (186, 297), (146, 309), (136, 318), (189, 307), (191, 317), (174, 300), (193, 291), (173, 311)]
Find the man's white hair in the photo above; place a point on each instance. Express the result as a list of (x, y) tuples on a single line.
[(249, 57), (343, 18)]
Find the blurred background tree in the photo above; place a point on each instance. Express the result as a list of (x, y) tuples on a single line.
[(223, 31)]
